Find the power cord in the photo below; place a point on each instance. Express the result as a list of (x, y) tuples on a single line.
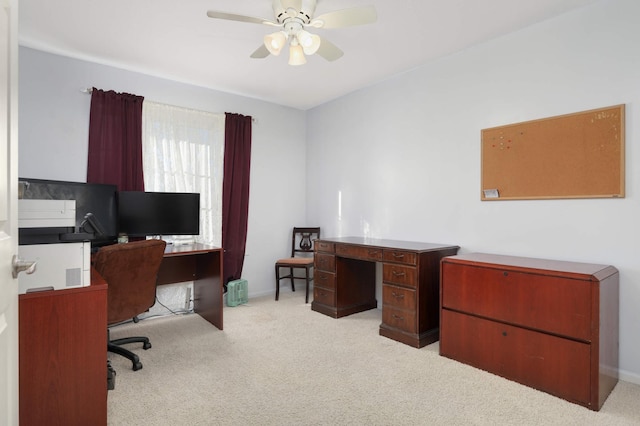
[(178, 312)]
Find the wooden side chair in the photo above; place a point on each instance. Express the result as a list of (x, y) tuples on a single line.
[(302, 240)]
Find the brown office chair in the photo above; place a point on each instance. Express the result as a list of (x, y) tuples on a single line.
[(301, 258), (130, 271)]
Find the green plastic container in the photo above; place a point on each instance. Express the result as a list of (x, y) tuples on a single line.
[(237, 292)]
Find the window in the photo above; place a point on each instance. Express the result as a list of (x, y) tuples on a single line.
[(183, 151)]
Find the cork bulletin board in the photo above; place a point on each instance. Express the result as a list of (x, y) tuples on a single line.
[(578, 155)]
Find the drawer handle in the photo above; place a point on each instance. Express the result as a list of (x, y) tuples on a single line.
[(505, 273), (373, 252), (322, 278), (398, 274), (398, 255), (398, 317), (504, 333), (397, 295)]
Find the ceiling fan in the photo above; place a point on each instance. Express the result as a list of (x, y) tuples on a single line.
[(293, 17)]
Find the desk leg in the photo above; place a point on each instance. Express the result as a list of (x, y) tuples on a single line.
[(205, 270), (207, 288)]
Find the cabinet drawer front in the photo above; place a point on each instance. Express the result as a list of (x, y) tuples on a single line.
[(548, 363), (324, 279), (324, 296), (359, 252), (397, 274), (399, 318), (324, 246), (325, 262), (399, 256), (399, 297), (548, 303)]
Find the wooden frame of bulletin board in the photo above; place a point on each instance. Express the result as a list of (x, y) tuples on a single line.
[(577, 155)]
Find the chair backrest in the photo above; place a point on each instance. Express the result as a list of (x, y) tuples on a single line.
[(302, 240), (131, 272)]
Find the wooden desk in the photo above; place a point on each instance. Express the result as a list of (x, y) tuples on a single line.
[(201, 264), (63, 356), (344, 283), (63, 339)]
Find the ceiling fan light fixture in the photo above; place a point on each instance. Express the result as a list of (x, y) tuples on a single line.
[(310, 42), (291, 19), (274, 42), (296, 55)]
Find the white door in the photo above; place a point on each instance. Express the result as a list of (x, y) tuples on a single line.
[(8, 212)]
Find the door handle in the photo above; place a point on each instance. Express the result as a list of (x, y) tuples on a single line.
[(18, 265)]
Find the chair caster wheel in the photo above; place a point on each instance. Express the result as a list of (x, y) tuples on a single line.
[(146, 346), (137, 366)]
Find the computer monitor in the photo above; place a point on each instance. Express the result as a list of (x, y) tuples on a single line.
[(143, 214)]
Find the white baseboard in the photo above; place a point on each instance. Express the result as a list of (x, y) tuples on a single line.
[(629, 376)]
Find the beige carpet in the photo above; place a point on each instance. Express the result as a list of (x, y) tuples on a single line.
[(279, 363)]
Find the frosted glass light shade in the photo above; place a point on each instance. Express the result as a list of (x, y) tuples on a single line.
[(296, 55), (309, 42), (275, 42)]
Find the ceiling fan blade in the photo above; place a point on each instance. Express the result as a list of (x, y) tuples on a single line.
[(328, 50), (260, 52), (346, 18), (240, 18)]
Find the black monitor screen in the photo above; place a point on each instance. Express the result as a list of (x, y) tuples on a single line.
[(97, 199), (158, 213)]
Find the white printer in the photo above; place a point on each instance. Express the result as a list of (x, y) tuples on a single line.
[(58, 265)]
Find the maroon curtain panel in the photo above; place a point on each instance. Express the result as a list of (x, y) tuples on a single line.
[(115, 140), (235, 193)]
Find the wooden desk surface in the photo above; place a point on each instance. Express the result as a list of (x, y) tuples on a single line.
[(187, 249), (392, 244)]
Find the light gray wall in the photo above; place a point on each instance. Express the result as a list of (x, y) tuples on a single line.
[(54, 123), (403, 157)]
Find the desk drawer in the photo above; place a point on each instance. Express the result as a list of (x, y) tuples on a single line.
[(399, 297), (549, 363), (324, 279), (397, 274), (399, 256), (325, 262), (324, 246), (399, 318), (544, 302), (324, 296), (359, 252)]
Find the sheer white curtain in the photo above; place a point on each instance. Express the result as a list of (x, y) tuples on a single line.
[(183, 151)]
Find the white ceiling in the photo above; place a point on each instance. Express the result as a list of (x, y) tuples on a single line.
[(176, 40)]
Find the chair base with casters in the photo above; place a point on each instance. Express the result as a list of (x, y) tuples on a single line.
[(301, 245), (111, 376), (115, 346)]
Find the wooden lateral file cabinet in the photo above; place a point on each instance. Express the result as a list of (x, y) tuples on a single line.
[(547, 324), (63, 356), (345, 275)]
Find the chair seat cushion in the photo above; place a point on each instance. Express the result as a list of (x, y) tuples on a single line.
[(296, 261)]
